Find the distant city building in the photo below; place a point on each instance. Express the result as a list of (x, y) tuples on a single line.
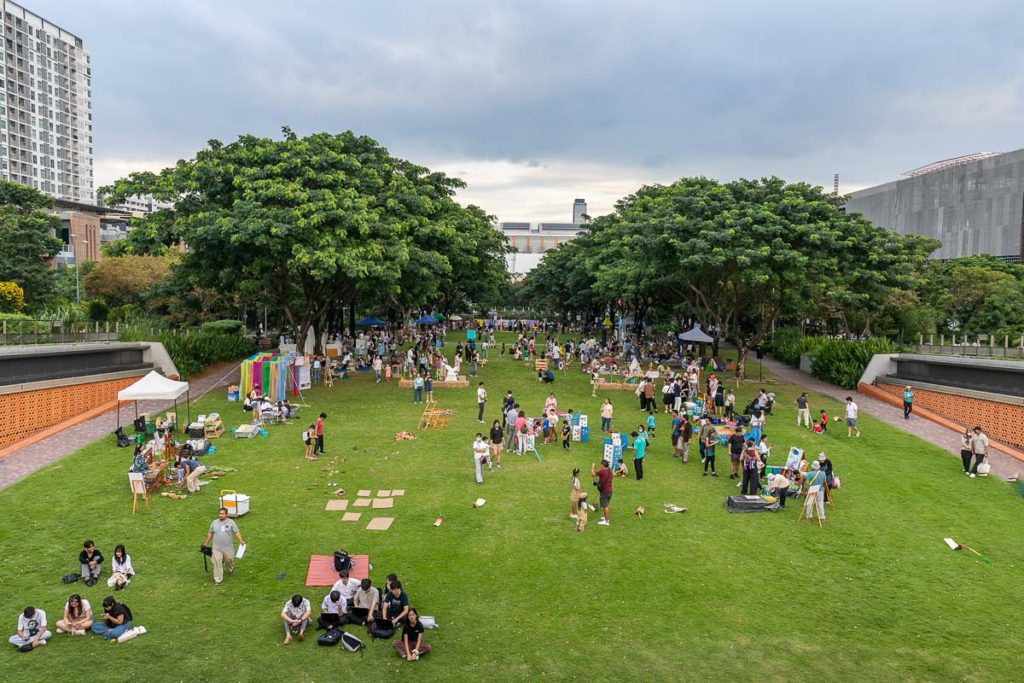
[(139, 205), (45, 107), (974, 204), (530, 241)]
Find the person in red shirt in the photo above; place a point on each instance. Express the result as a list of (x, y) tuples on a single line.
[(604, 488), (319, 428)]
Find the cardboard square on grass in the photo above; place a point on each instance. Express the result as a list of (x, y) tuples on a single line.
[(384, 493), (351, 516), (362, 502), (337, 505), (379, 523), (364, 493), (381, 503), (397, 492)]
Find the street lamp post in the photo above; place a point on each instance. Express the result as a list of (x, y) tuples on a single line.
[(78, 287)]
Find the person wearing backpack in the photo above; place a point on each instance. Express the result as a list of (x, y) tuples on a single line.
[(307, 438)]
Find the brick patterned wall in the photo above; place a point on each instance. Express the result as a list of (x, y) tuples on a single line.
[(1001, 421), (28, 412)]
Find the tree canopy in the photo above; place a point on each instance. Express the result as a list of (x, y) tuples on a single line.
[(736, 256), (27, 242), (307, 223)]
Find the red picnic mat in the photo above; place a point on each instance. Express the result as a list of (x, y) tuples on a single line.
[(321, 569)]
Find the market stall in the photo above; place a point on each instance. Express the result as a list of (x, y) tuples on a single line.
[(272, 375), (154, 387)]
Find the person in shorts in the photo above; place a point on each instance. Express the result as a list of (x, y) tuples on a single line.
[(851, 417), (603, 480)]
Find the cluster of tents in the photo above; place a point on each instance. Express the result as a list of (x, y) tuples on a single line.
[(371, 321)]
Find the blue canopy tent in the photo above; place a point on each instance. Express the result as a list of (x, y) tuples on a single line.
[(426, 320), (370, 321)]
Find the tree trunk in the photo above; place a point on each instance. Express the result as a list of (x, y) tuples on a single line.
[(741, 360)]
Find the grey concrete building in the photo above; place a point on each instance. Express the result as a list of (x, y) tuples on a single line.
[(530, 241), (45, 106), (973, 204)]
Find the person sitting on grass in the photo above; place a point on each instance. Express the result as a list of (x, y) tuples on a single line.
[(90, 560), (332, 611), (115, 620), (77, 616), (121, 568), (411, 646), (364, 605), (31, 630), (395, 604), (295, 616)]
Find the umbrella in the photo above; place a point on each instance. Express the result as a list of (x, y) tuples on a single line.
[(370, 321), (426, 320), (439, 316), (456, 318), (697, 335)]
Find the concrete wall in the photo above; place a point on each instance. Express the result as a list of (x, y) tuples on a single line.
[(974, 208), (1001, 420)]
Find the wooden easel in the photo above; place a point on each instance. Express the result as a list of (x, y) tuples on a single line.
[(811, 500), (433, 417), (137, 481)]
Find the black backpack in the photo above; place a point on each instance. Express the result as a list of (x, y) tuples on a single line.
[(342, 561), (330, 639), (381, 628)]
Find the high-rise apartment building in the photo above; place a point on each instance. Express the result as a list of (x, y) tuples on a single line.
[(45, 107)]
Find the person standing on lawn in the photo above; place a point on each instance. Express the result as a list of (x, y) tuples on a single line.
[(908, 402), (639, 450), (607, 411), (604, 488), (851, 417), (649, 390), (708, 439), (736, 444), (750, 484), (481, 402), (497, 439), (318, 427), (979, 446), (222, 532), (480, 456), (803, 412)]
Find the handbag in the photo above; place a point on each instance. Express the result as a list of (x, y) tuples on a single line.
[(70, 578), (351, 642)]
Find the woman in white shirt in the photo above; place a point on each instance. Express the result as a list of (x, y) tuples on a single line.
[(121, 566)]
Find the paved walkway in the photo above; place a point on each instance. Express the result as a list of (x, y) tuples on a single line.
[(947, 439), (27, 460)]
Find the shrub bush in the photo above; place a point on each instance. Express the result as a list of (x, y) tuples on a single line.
[(789, 343), (224, 326), (12, 297), (98, 310), (842, 362), (194, 351)]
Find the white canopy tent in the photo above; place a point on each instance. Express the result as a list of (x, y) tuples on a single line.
[(696, 335), (153, 387)]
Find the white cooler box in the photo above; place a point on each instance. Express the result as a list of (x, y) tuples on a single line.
[(236, 503)]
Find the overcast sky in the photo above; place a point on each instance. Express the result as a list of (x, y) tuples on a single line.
[(535, 103)]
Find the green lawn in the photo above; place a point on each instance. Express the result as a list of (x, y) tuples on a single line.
[(874, 595)]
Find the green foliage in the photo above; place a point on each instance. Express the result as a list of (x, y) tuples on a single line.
[(26, 241), (224, 326), (131, 314), (194, 351), (98, 310), (127, 279), (842, 362), (12, 297), (789, 343), (308, 222)]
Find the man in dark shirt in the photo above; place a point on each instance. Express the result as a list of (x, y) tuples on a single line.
[(116, 619), (736, 444), (396, 604), (604, 488), (90, 559)]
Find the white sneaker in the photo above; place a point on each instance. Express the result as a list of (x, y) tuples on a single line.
[(41, 642), (60, 630), (570, 517), (973, 475), (603, 522)]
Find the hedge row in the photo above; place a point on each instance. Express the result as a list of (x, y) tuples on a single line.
[(195, 351), (836, 361)]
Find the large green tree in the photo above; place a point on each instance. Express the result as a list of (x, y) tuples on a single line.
[(27, 242), (305, 222)]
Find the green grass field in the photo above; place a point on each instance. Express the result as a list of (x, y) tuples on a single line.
[(874, 595)]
